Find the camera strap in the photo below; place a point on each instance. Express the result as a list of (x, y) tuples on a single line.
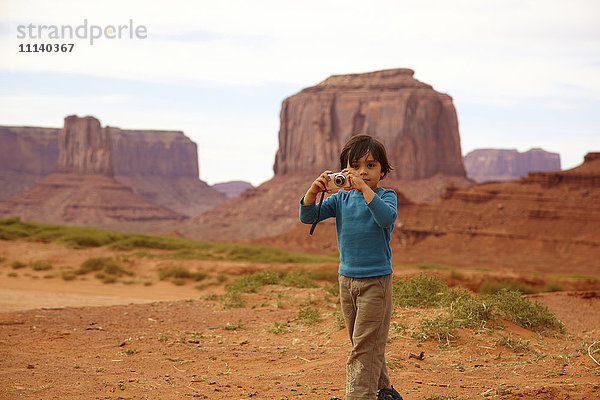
[(316, 221)]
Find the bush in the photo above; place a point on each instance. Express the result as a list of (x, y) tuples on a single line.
[(17, 265), (41, 265), (523, 312), (309, 315), (12, 229), (300, 279), (109, 268), (174, 272), (68, 275), (465, 310), (94, 264), (441, 328), (517, 345), (418, 291), (492, 286), (134, 241), (461, 305), (249, 283)]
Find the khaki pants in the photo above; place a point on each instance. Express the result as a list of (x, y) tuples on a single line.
[(367, 309)]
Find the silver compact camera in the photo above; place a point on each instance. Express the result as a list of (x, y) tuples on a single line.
[(339, 180)]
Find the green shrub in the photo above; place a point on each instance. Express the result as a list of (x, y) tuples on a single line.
[(465, 310), (174, 272), (517, 345), (468, 310), (309, 315), (10, 221), (94, 264), (249, 283), (178, 281), (300, 279), (41, 265), (492, 286), (68, 275), (441, 328), (136, 241), (108, 269), (13, 229), (233, 300), (418, 291), (105, 278), (17, 265), (523, 312)]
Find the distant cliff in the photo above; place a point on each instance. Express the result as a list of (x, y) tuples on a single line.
[(26, 155), (83, 191), (417, 124), (484, 165), (162, 166), (233, 188)]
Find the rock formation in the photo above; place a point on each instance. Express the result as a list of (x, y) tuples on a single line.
[(85, 147), (83, 191), (485, 165), (232, 189), (417, 124), (161, 166), (27, 154)]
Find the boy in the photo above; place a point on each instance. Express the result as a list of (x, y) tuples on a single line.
[(365, 216)]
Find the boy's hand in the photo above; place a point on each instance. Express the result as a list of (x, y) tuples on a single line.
[(356, 181), (319, 185)]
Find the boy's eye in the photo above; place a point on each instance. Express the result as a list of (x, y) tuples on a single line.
[(371, 165)]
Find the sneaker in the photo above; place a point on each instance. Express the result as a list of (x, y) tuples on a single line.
[(388, 394)]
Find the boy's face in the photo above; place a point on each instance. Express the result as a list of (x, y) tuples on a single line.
[(368, 169)]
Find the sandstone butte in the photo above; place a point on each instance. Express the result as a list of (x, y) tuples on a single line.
[(417, 124), (161, 166), (546, 221), (83, 190), (483, 165)]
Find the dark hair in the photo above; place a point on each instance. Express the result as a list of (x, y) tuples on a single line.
[(358, 146)]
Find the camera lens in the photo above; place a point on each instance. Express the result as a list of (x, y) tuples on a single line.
[(340, 180)]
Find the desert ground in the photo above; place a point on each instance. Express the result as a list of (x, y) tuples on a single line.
[(83, 336)]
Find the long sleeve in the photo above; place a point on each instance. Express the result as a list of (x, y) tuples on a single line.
[(384, 208), (308, 212)]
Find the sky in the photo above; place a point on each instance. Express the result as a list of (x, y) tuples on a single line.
[(522, 74)]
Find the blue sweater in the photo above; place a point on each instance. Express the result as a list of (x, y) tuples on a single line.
[(363, 230)]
